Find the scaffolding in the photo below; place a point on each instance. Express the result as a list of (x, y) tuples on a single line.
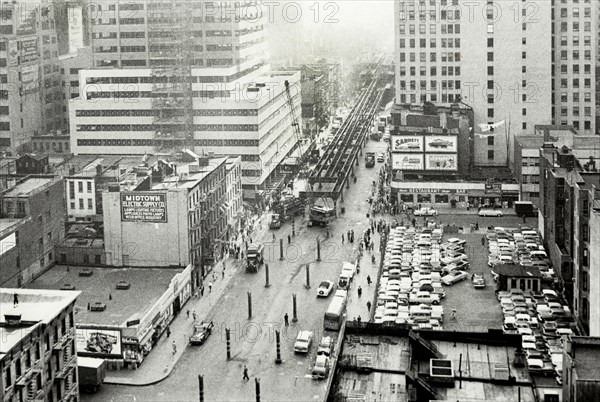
[(171, 54)]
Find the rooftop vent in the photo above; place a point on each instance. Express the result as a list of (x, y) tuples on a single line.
[(12, 320)]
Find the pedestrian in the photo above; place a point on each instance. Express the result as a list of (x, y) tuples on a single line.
[(223, 273), (359, 291), (286, 320), (194, 315), (289, 239), (359, 319), (453, 312), (369, 280), (342, 238), (273, 236), (188, 314), (472, 277), (209, 287), (174, 346), (369, 306), (245, 378), (202, 290), (214, 276)]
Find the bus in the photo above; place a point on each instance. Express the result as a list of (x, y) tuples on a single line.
[(334, 317)]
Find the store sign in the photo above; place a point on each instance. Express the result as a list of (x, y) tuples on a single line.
[(98, 342), (29, 80), (132, 323), (441, 143), (407, 143), (144, 207), (441, 162), (29, 50), (407, 162), (13, 53)]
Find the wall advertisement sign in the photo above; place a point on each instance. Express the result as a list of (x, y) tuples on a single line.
[(29, 50), (30, 80), (446, 162), (98, 342), (407, 143), (144, 207), (445, 143), (407, 162)]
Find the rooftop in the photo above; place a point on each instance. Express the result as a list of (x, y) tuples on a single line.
[(530, 141), (28, 186), (34, 306), (6, 223), (517, 270), (192, 175), (147, 286)]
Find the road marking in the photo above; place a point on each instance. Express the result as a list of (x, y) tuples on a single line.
[(300, 364)]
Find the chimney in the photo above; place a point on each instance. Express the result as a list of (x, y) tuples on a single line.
[(443, 120), (98, 170)]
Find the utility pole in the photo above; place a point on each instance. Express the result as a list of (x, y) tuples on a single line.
[(267, 284), (228, 341), (278, 345), (201, 388), (249, 305), (307, 286), (295, 314), (318, 249)]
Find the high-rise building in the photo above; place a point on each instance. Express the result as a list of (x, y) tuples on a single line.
[(574, 35), (38, 359), (494, 56), (30, 82), (193, 77)]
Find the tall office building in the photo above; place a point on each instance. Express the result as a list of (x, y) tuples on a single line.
[(574, 35), (494, 56), (30, 81), (168, 77)]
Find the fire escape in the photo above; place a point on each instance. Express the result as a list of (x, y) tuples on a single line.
[(171, 53)]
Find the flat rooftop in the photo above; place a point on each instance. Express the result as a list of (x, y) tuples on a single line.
[(6, 223), (28, 186), (147, 286), (35, 307)]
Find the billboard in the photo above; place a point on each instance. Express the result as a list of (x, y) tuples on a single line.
[(30, 80), (29, 50), (144, 207), (98, 342), (407, 143), (441, 162), (407, 162), (13, 53), (441, 143)]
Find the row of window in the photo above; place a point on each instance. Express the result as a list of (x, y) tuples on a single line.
[(430, 97), (587, 12), (587, 41), (432, 71), (576, 111), (90, 204), (151, 113), (445, 28), (423, 43), (587, 69), (150, 94), (152, 127), (444, 56), (564, 26), (587, 97), (433, 85), (587, 55), (137, 143), (587, 83)]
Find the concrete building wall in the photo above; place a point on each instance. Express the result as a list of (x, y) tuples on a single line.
[(594, 272), (80, 196), (147, 244)]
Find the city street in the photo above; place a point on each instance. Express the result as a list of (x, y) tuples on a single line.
[(253, 340)]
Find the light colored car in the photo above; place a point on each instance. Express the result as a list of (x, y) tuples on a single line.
[(321, 369), (380, 157), (325, 289), (424, 298), (490, 212), (478, 282), (325, 346), (303, 342), (454, 277), (425, 212)]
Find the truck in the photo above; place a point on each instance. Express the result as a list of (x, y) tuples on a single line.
[(287, 207), (525, 208), (91, 373), (322, 212), (254, 257), (370, 159), (275, 221)]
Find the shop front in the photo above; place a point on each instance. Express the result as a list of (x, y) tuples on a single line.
[(429, 196), (142, 332)]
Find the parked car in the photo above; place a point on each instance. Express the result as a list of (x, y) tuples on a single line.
[(490, 212), (325, 346), (454, 277), (424, 298), (425, 212), (201, 333), (478, 282), (303, 342), (380, 157), (325, 289), (321, 368)]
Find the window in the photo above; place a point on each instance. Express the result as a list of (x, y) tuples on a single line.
[(80, 186), (490, 84), (89, 186), (490, 112), (524, 126), (524, 112), (490, 70), (490, 42), (490, 56), (90, 204), (81, 203), (490, 154), (490, 140)]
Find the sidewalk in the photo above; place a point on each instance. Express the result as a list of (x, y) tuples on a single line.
[(161, 361)]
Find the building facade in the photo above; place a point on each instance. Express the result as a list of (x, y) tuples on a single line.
[(32, 223), (81, 196), (568, 190), (574, 34), (594, 269), (487, 55), (234, 198), (228, 101), (30, 84), (38, 359), (581, 370), (188, 207)]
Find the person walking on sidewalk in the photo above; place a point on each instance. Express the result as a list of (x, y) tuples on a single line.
[(359, 291), (369, 279), (194, 315), (369, 306), (342, 238), (286, 320), (289, 239), (209, 287), (168, 331), (188, 314), (174, 346), (245, 378)]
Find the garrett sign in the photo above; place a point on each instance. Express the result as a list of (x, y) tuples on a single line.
[(144, 207)]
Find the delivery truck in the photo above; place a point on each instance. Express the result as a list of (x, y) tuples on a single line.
[(91, 373)]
